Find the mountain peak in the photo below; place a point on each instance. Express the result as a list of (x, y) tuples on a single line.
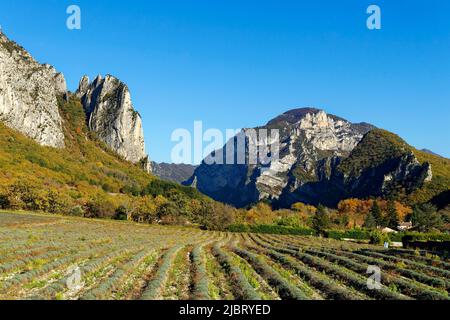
[(431, 152), (294, 115), (110, 112)]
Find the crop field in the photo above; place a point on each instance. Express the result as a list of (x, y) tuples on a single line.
[(47, 257)]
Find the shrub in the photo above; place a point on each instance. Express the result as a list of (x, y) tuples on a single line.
[(4, 201), (22, 195), (416, 236), (358, 234), (377, 237), (56, 203), (217, 216), (76, 211), (99, 208), (132, 189), (121, 213), (290, 221)]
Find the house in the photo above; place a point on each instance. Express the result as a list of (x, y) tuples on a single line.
[(388, 230), (405, 226)]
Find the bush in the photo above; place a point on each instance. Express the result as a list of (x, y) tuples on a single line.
[(99, 208), (397, 237), (56, 203), (4, 201), (358, 234), (416, 236), (76, 211), (377, 237), (217, 216), (121, 213), (22, 195), (132, 189), (290, 221), (107, 188)]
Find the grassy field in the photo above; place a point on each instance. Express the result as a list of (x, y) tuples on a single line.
[(54, 257)]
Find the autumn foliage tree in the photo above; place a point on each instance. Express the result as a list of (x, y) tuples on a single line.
[(357, 210)]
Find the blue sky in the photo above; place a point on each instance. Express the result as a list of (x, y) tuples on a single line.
[(235, 64)]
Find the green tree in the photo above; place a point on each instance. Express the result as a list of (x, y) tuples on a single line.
[(425, 218), (370, 222), (375, 212), (392, 219), (321, 220)]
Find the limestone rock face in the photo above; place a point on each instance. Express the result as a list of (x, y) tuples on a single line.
[(28, 95), (408, 171), (311, 141), (110, 113)]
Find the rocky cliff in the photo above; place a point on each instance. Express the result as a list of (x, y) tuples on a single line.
[(111, 115), (381, 165), (28, 95), (318, 163)]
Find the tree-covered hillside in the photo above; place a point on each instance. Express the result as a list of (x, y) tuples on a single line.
[(384, 154), (86, 178)]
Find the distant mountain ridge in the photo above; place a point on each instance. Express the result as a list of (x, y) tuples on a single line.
[(173, 172), (431, 152)]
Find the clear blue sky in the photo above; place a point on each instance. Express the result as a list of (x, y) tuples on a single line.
[(239, 63)]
